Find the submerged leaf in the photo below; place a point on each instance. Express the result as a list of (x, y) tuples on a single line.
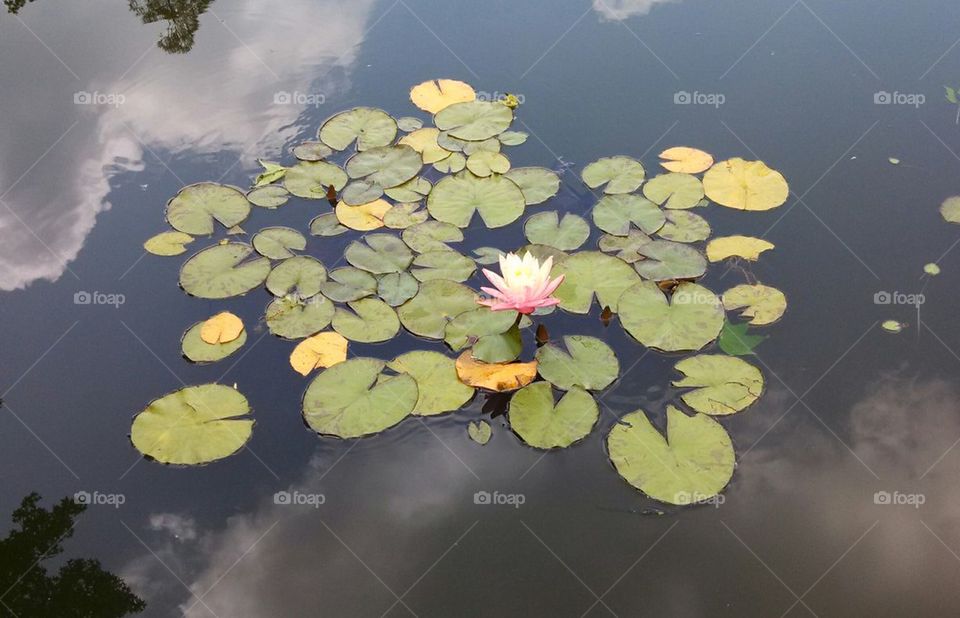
[(735, 341)]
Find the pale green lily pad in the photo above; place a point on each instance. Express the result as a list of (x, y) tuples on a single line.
[(195, 208), (588, 273), (270, 197), (452, 164), (931, 269), (546, 228), (361, 192), (168, 243), (448, 142), (294, 318), (386, 166), (949, 209), (892, 326), (689, 320), (692, 464), (487, 255), (310, 179), (301, 275), (444, 264), (674, 190), (412, 190), (408, 124), (479, 432), (370, 321), (477, 323), (485, 163), (199, 351), (370, 128), (354, 398), (665, 260), (627, 248), (221, 272), (620, 174), (614, 213), (194, 425), (542, 424), (348, 283), (683, 226), (587, 362), (538, 184), (722, 384), (761, 303), (381, 254), (474, 120), (402, 216), (431, 236), (437, 302), (278, 243), (440, 390), (312, 151), (491, 146), (455, 198), (513, 138), (397, 288), (327, 224)]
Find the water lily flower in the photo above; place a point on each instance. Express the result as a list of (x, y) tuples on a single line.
[(524, 285)]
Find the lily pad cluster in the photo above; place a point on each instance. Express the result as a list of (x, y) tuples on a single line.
[(412, 189)]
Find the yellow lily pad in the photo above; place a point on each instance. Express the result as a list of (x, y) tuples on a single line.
[(364, 217), (435, 94), (685, 160), (424, 141), (221, 328), (497, 377), (745, 185), (746, 247), (319, 351), (761, 303)]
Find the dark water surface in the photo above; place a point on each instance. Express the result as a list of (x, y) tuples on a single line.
[(849, 410)]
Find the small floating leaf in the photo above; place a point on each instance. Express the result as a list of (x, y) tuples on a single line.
[(370, 321), (272, 172), (892, 326), (746, 247), (763, 304), (301, 275), (485, 163), (197, 206), (439, 388), (538, 184), (278, 243), (620, 174), (931, 269), (950, 209), (614, 214), (224, 327), (722, 384), (221, 272), (894, 161), (437, 94), (543, 424), (437, 302), (312, 151), (687, 321), (496, 377), (271, 197), (455, 198), (295, 319), (327, 224), (674, 191), (479, 432), (317, 352), (199, 351), (370, 128), (474, 120), (408, 124), (745, 185), (168, 243), (587, 363), (685, 160), (588, 273), (547, 228), (513, 138)]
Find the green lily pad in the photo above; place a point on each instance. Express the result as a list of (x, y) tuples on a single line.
[(440, 390), (354, 398), (614, 213), (735, 341), (674, 190), (620, 174), (444, 264), (402, 216), (448, 142), (485, 163), (194, 209), (437, 302), (452, 164), (278, 243), (538, 184), (408, 124), (199, 351), (689, 320), (168, 243), (370, 321), (587, 362), (327, 224), (692, 464), (487, 255), (626, 248), (221, 272), (479, 432), (476, 323), (301, 275), (513, 138), (722, 384), (310, 179), (431, 236), (293, 318), (397, 288), (386, 166), (370, 128), (474, 120), (361, 192), (270, 197), (683, 226), (542, 424), (381, 254), (348, 283), (312, 151), (546, 228), (194, 425), (665, 260), (490, 146), (588, 273), (500, 348), (761, 303), (455, 198), (412, 190)]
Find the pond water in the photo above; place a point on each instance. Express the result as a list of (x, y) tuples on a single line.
[(101, 125)]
